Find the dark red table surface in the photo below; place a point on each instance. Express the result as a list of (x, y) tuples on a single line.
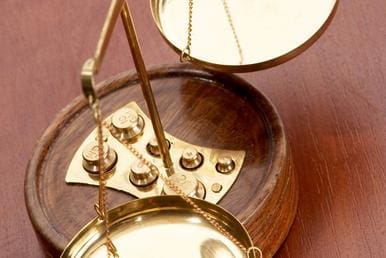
[(332, 99)]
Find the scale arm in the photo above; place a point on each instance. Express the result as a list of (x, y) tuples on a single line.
[(92, 65)]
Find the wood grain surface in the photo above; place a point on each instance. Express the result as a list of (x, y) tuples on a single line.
[(331, 99)]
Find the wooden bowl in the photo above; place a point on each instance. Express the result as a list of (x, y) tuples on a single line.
[(205, 108)]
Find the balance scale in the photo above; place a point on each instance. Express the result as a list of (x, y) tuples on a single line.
[(215, 178)]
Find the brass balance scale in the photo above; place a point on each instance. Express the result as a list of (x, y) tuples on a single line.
[(240, 159)]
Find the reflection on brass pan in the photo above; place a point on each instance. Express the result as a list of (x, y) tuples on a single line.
[(162, 227), (243, 35)]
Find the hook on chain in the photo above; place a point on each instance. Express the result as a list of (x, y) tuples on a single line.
[(185, 55), (112, 250), (253, 250), (99, 211)]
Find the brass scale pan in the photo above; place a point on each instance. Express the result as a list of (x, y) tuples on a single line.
[(162, 227), (268, 33)]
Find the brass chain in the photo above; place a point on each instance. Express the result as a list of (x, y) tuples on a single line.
[(101, 208), (236, 38), (185, 53), (252, 250)]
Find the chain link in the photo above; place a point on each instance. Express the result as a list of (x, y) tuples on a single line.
[(236, 38), (185, 53), (100, 208)]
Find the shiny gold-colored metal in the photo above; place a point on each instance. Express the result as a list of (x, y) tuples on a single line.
[(128, 124), (105, 135), (141, 175), (91, 159), (92, 65), (191, 159), (164, 226), (216, 188), (268, 32), (187, 183), (152, 147), (225, 164), (206, 173), (101, 206), (211, 220)]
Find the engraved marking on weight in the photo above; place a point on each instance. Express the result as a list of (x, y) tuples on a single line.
[(189, 154), (91, 152), (125, 118)]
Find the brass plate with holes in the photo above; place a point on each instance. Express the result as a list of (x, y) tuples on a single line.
[(269, 32), (162, 227), (205, 173)]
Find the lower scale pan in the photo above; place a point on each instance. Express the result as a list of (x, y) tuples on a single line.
[(206, 108), (162, 227)]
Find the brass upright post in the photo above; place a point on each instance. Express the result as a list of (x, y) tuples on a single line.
[(146, 88)]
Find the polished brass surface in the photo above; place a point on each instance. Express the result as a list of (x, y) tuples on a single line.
[(128, 124), (105, 135), (216, 187), (152, 147), (101, 206), (191, 159), (162, 227), (206, 173), (267, 32), (225, 164), (187, 183), (141, 175), (91, 158), (89, 70)]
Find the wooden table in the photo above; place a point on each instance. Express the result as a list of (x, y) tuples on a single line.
[(331, 98)]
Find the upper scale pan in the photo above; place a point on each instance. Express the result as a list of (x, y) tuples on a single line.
[(268, 32)]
